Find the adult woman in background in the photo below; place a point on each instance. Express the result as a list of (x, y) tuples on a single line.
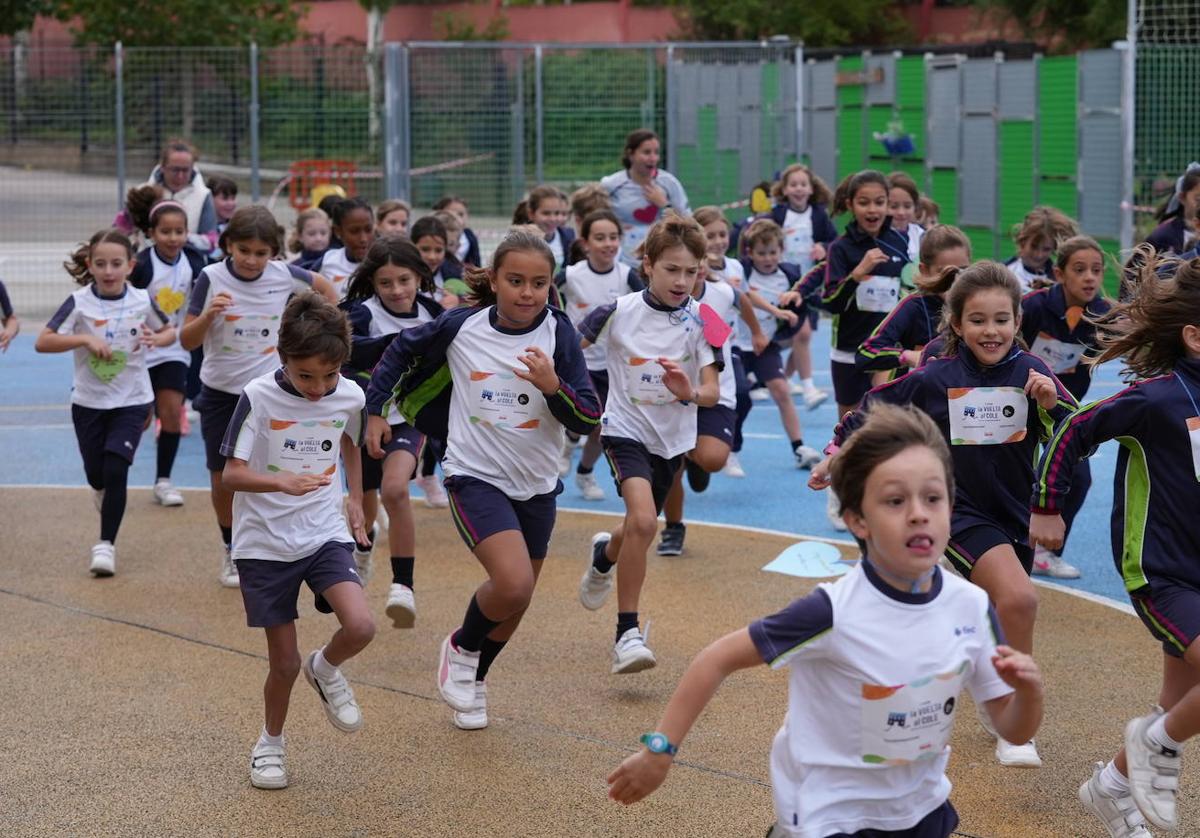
[(641, 192), (181, 181)]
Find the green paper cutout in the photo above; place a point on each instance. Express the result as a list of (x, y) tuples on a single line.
[(106, 369)]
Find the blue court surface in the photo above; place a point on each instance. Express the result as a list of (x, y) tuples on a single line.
[(39, 441)]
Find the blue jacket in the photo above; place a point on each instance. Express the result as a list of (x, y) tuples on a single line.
[(1045, 312), (1169, 236), (309, 259), (413, 373), (1156, 493), (912, 324), (991, 481), (472, 256), (824, 232), (851, 326), (365, 351), (143, 270)]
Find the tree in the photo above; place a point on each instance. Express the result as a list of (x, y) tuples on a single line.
[(18, 15), (1069, 24), (819, 23)]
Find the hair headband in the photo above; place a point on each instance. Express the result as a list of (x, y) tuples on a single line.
[(168, 204)]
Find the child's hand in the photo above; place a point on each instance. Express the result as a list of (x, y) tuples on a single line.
[(817, 253), (302, 484), (790, 317), (818, 478), (97, 346), (8, 333), (759, 342), (910, 358), (638, 776), (1017, 669), (357, 521), (677, 381), (1046, 531), (541, 373), (450, 300), (870, 260), (789, 297), (1041, 389), (218, 304), (379, 434)]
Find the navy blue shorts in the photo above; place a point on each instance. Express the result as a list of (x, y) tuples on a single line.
[(216, 410), (765, 367), (99, 432), (969, 543), (1171, 611), (849, 383), (170, 375), (480, 510), (629, 458), (270, 589), (404, 438), (600, 382), (940, 823), (716, 421)]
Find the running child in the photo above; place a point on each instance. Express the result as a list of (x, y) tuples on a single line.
[(310, 238), (546, 207), (224, 197), (661, 368), (903, 200), (234, 312), (8, 320), (291, 426), (430, 237), (391, 217), (856, 754), (597, 281), (895, 345), (354, 225), (387, 294), (584, 201), (1036, 238), (166, 271), (1155, 540), (768, 280), (1057, 324), (467, 252), (499, 381), (994, 404), (108, 325)]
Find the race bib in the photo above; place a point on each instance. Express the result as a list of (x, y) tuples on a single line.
[(644, 382), (912, 722), (798, 243), (249, 334), (504, 401), (1193, 426), (308, 447), (121, 333), (1060, 356), (987, 415), (878, 293)]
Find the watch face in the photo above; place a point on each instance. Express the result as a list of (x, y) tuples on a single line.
[(657, 743)]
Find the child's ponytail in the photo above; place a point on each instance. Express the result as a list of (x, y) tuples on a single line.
[(139, 201), (937, 240)]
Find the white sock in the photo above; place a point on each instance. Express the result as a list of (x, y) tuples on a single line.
[(321, 667), (265, 738), (1113, 781), (808, 384), (1157, 734)]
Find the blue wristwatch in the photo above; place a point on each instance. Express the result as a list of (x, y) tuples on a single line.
[(658, 743)]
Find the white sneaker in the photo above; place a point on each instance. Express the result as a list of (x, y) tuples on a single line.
[(98, 498), (588, 487), (833, 511), (985, 721), (1119, 815), (1046, 563), (1017, 756), (456, 676), (166, 494), (401, 606), (476, 718), (631, 654), (268, 766), (229, 572), (595, 586), (336, 697), (733, 466), (435, 495), (814, 397), (1153, 773), (564, 456), (382, 521), (104, 559), (760, 394), (807, 457), (362, 563)]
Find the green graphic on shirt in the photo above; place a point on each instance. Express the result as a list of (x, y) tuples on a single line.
[(106, 369)]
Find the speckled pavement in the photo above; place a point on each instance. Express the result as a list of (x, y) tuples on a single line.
[(131, 703)]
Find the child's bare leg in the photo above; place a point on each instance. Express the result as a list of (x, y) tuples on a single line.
[(781, 392), (397, 472), (999, 572), (636, 533), (357, 629), (1181, 679), (222, 500), (283, 661)]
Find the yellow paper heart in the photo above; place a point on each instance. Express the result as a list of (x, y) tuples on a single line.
[(169, 300)]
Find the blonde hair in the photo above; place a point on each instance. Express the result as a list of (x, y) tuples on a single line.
[(390, 206), (821, 194), (1044, 224), (293, 243), (707, 215), (588, 199), (762, 230), (938, 239)]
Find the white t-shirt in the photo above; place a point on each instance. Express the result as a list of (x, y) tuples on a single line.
[(635, 333), (384, 322), (771, 286), (731, 272), (169, 288), (276, 429), (556, 247), (122, 381), (240, 344), (873, 693), (723, 299), (798, 238), (337, 268), (584, 290), (501, 430), (914, 233), (1025, 276)]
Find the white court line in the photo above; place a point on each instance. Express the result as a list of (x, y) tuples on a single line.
[(1098, 599), (21, 408), (762, 436), (37, 427)]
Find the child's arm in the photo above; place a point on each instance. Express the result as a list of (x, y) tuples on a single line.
[(677, 381), (12, 327), (884, 349), (324, 287), (573, 400), (758, 340), (352, 463), (1016, 716), (239, 477), (1055, 403), (201, 314), (760, 302), (840, 280), (51, 341), (642, 773)]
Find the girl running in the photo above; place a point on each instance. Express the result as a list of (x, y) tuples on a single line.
[(467, 251), (310, 238), (858, 752), (354, 225), (1036, 238), (664, 369), (546, 207), (1155, 539), (291, 426), (387, 294), (109, 325), (234, 313), (903, 200), (498, 380), (391, 217), (994, 404)]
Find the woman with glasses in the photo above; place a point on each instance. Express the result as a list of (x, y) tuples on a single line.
[(181, 181)]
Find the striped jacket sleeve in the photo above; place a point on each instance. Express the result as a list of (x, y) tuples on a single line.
[(881, 351)]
